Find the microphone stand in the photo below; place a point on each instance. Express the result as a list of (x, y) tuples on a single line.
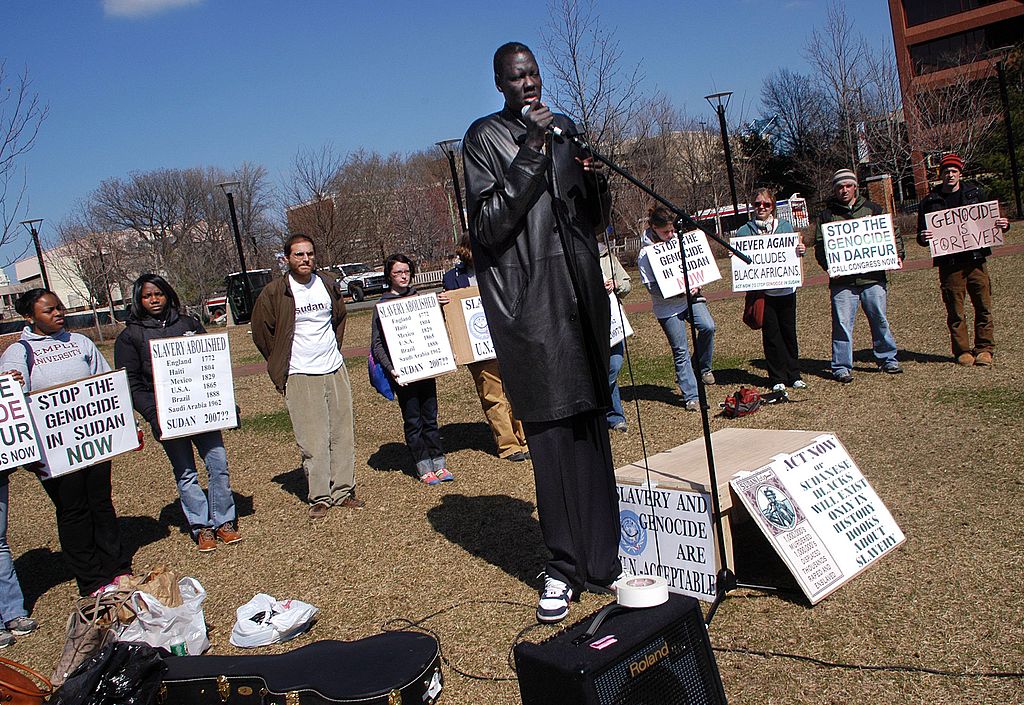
[(725, 580)]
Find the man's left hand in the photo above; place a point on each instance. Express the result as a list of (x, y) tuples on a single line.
[(1003, 224), (590, 165)]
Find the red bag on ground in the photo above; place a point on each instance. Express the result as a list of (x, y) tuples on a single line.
[(753, 309), (742, 402)]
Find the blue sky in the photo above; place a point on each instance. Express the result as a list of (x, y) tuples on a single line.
[(134, 85)]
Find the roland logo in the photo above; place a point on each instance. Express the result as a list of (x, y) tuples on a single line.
[(645, 662)]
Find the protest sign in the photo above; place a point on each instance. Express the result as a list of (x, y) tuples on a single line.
[(820, 515), (774, 262), (413, 328), (674, 525), (861, 245), (18, 444), (467, 326), (85, 422), (964, 228), (193, 384), (666, 263), (620, 328)]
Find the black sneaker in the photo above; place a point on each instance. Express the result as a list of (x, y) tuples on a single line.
[(893, 368), (553, 605), (20, 626), (844, 377), (517, 457)]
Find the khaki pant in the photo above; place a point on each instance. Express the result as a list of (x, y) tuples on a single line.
[(320, 407), (507, 430), (957, 282)]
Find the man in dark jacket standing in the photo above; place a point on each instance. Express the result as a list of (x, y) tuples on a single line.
[(962, 273), (534, 205), (869, 289), (298, 324)]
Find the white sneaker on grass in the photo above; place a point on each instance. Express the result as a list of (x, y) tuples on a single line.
[(553, 605)]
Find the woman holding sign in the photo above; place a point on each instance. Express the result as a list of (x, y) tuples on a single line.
[(417, 399), (778, 332), (47, 355), (671, 313), (155, 313)]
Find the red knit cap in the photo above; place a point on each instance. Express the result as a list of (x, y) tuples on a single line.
[(953, 160)]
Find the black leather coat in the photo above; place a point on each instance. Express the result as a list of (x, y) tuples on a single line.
[(532, 223)]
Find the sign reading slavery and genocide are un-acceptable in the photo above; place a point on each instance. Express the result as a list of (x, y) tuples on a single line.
[(85, 422), (477, 330), (820, 515), (964, 228), (193, 384), (18, 444), (667, 263), (620, 328), (417, 340), (674, 525), (774, 262), (861, 245)]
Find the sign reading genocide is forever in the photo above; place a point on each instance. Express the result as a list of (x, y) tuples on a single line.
[(193, 384), (417, 339), (774, 262), (964, 228), (862, 245), (18, 443), (666, 263), (85, 422)]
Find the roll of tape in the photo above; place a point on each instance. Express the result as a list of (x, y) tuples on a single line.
[(641, 591)]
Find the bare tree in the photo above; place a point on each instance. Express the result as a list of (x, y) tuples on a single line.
[(310, 195)]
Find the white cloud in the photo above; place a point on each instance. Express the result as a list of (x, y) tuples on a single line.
[(142, 8)]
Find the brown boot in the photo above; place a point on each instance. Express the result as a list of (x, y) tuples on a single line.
[(965, 360), (984, 359), (206, 540)]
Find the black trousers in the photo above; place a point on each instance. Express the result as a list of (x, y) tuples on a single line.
[(576, 498), (778, 334), (87, 526), (419, 416)]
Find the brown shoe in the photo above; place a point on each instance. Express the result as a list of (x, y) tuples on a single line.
[(206, 540), (319, 510), (228, 534), (965, 359), (351, 502), (983, 359)]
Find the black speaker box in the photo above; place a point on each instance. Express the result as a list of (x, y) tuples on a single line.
[(654, 656)]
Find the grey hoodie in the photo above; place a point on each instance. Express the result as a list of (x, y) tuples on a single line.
[(56, 359)]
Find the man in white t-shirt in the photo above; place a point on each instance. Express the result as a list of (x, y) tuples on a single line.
[(298, 324)]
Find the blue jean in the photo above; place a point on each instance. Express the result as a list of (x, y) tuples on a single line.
[(872, 298), (12, 602), (200, 512), (615, 414), (675, 331)]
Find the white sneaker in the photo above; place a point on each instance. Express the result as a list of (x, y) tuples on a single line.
[(799, 384), (708, 378), (780, 387), (553, 605)]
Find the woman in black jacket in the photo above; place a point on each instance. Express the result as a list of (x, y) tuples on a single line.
[(155, 313)]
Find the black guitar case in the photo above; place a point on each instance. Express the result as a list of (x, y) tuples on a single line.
[(395, 668)]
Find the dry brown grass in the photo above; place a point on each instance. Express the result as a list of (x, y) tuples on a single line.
[(941, 445)]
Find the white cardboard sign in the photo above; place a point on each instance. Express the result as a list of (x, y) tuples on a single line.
[(85, 422), (476, 328), (417, 339), (666, 263), (18, 444), (675, 525), (964, 228), (620, 328), (774, 262), (193, 384), (861, 245), (820, 515)]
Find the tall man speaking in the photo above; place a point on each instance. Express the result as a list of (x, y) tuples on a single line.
[(534, 205)]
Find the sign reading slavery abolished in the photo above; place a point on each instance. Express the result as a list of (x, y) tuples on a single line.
[(18, 444), (861, 245), (417, 339), (85, 422), (964, 228), (675, 526), (774, 263), (667, 263), (820, 515), (193, 384)]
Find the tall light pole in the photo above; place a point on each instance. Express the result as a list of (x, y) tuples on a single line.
[(720, 101), (1008, 123), (31, 225), (228, 187), (448, 148)]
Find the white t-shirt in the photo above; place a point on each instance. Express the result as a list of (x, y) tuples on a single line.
[(314, 345)]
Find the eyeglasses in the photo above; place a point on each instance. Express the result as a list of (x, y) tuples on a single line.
[(303, 255), (762, 204)]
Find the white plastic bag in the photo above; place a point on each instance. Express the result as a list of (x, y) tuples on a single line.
[(169, 627), (264, 620)]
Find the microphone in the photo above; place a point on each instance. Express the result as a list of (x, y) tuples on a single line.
[(552, 128)]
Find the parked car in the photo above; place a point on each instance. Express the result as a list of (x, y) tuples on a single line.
[(241, 305), (359, 280)]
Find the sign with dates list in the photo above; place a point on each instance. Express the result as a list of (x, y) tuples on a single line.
[(413, 328), (193, 383)]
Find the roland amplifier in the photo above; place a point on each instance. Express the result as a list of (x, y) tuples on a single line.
[(653, 656)]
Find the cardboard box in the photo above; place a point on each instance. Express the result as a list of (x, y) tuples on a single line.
[(467, 326)]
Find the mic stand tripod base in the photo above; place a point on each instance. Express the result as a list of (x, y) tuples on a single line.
[(725, 582)]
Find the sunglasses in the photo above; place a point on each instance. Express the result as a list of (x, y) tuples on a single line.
[(762, 204)]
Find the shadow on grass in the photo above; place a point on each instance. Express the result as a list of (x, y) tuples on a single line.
[(496, 528), (391, 457), (756, 563), (467, 436), (293, 482), (172, 516), (912, 356), (650, 392)]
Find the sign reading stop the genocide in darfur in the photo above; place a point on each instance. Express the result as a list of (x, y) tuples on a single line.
[(964, 228), (18, 444), (666, 263), (861, 245)]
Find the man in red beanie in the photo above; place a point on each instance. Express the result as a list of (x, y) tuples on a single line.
[(962, 273)]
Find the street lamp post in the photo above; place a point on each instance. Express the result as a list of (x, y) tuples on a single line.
[(228, 187), (448, 148), (720, 101), (31, 225)]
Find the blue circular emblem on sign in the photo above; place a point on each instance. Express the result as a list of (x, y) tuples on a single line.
[(478, 325), (633, 539)]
